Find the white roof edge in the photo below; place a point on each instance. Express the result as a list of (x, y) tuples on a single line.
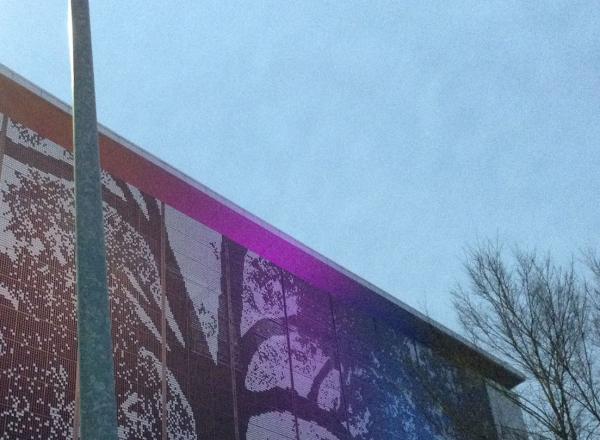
[(5, 71)]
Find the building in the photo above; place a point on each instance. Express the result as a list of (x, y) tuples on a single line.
[(223, 327)]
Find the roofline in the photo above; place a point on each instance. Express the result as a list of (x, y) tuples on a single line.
[(518, 377)]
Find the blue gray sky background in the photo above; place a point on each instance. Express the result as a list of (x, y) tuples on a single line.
[(386, 135)]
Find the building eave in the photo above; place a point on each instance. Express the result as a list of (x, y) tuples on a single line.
[(429, 330)]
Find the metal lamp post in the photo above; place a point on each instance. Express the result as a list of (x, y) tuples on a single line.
[(97, 403)]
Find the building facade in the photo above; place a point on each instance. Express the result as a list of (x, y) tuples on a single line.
[(223, 328)]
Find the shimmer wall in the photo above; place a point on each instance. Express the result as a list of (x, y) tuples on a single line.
[(241, 348)]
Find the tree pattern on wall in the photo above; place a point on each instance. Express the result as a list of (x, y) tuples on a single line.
[(250, 349)]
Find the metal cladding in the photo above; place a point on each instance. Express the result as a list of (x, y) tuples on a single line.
[(214, 335)]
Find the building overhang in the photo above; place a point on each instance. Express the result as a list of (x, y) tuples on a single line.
[(51, 118)]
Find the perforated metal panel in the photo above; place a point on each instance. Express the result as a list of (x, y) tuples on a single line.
[(211, 341)]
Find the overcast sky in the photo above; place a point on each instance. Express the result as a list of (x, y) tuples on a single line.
[(386, 135)]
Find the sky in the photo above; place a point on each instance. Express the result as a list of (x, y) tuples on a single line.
[(386, 135)]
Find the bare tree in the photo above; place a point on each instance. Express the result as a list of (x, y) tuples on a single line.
[(458, 401), (538, 316), (585, 368), (593, 263)]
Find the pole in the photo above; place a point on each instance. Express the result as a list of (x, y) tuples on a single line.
[(98, 413)]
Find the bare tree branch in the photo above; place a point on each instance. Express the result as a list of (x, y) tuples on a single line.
[(542, 318)]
